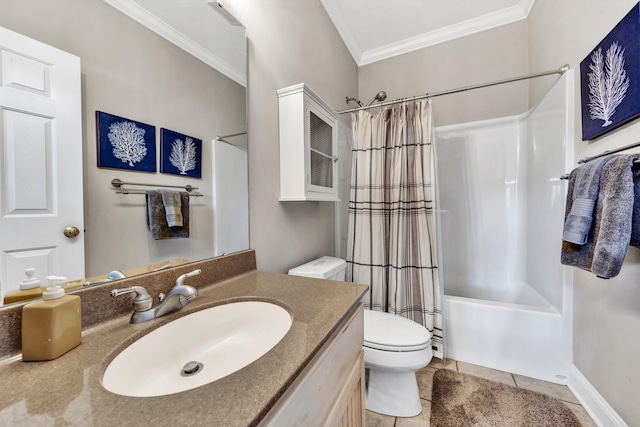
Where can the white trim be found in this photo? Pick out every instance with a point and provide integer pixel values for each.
(344, 29)
(472, 26)
(141, 15)
(596, 406)
(526, 6)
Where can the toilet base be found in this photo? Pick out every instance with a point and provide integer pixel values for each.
(393, 393)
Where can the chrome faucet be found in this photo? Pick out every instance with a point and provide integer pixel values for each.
(177, 298)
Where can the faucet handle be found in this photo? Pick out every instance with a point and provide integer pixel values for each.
(180, 279)
(142, 300)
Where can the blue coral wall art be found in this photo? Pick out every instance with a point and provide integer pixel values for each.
(125, 144)
(610, 79)
(180, 154)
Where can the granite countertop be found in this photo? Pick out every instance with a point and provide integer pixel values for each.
(69, 389)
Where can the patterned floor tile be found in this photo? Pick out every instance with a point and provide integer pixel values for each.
(558, 391)
(378, 420)
(421, 420)
(425, 382)
(581, 414)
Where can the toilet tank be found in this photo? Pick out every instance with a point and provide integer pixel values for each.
(322, 268)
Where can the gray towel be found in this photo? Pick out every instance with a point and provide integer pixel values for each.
(635, 222)
(584, 183)
(157, 218)
(172, 207)
(609, 237)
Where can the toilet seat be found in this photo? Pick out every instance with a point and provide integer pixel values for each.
(390, 332)
(383, 347)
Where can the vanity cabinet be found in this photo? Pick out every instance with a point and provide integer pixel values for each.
(308, 144)
(330, 390)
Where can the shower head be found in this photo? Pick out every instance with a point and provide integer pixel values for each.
(380, 96)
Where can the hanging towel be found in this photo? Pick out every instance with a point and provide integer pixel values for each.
(635, 221)
(172, 207)
(584, 183)
(157, 217)
(609, 237)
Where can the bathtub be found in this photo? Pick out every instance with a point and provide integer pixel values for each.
(508, 302)
(515, 331)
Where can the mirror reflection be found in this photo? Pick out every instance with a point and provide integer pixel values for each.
(193, 84)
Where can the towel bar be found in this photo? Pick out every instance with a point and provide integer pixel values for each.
(121, 190)
(586, 159)
(607, 152)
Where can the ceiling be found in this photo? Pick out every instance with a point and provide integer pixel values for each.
(374, 30)
(196, 27)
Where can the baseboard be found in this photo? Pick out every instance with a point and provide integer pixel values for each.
(596, 406)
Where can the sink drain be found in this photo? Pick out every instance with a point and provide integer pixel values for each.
(191, 368)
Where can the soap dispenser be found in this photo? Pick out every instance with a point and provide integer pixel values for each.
(29, 288)
(53, 326)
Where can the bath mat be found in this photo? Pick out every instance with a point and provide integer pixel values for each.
(461, 400)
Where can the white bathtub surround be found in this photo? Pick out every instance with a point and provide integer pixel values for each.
(510, 337)
(391, 243)
(508, 300)
(230, 198)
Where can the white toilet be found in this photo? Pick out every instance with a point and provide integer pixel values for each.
(394, 349)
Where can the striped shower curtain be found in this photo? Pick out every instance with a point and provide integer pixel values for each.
(391, 243)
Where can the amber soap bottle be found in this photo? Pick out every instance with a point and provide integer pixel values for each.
(53, 326)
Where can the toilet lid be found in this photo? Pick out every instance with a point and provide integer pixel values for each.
(386, 331)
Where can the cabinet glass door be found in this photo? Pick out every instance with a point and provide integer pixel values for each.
(321, 148)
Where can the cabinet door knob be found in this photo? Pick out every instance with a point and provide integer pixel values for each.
(71, 232)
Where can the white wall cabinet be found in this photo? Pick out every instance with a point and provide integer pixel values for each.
(308, 146)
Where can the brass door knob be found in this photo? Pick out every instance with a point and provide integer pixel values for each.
(71, 232)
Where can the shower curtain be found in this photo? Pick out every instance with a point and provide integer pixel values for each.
(391, 244)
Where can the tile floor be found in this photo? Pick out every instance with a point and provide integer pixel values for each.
(425, 379)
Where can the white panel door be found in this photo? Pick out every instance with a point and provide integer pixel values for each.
(40, 161)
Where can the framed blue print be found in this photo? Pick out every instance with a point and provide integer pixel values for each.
(610, 79)
(180, 154)
(125, 144)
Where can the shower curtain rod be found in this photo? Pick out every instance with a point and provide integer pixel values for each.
(560, 70)
(221, 139)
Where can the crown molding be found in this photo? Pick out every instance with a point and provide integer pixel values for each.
(466, 28)
(472, 26)
(139, 14)
(339, 21)
(526, 6)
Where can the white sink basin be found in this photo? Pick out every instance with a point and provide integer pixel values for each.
(223, 339)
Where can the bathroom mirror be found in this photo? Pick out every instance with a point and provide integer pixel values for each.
(183, 70)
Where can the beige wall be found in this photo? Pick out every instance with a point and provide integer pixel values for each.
(483, 57)
(130, 71)
(606, 321)
(290, 41)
